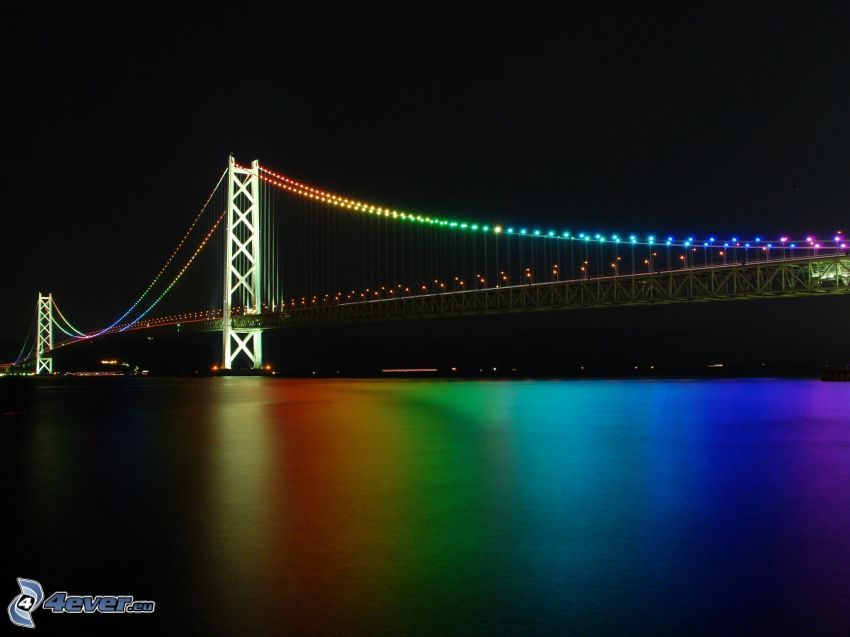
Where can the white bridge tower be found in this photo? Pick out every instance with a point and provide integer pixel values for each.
(44, 335)
(242, 263)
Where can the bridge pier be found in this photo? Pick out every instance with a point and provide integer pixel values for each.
(242, 271)
(237, 341)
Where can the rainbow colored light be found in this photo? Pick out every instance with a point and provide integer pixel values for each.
(310, 192)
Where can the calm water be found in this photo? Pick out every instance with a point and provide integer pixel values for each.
(247, 505)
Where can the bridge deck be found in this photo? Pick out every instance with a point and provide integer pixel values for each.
(756, 280)
(814, 276)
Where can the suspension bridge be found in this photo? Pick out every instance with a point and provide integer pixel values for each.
(266, 251)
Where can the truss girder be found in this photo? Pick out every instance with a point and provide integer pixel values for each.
(780, 279)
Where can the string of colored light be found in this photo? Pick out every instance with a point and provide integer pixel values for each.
(30, 352)
(26, 340)
(309, 192)
(67, 322)
(178, 275)
(164, 267)
(57, 324)
(123, 327)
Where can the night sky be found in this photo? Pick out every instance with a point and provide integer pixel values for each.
(608, 119)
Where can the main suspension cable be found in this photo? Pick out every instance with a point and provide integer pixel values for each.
(178, 275)
(164, 267)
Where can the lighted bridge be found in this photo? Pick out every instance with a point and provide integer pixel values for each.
(266, 251)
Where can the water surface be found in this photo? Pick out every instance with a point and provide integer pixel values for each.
(368, 507)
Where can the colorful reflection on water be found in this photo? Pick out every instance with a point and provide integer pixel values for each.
(445, 507)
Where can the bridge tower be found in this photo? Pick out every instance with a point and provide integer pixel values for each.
(44, 335)
(242, 263)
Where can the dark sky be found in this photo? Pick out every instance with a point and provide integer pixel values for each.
(608, 118)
